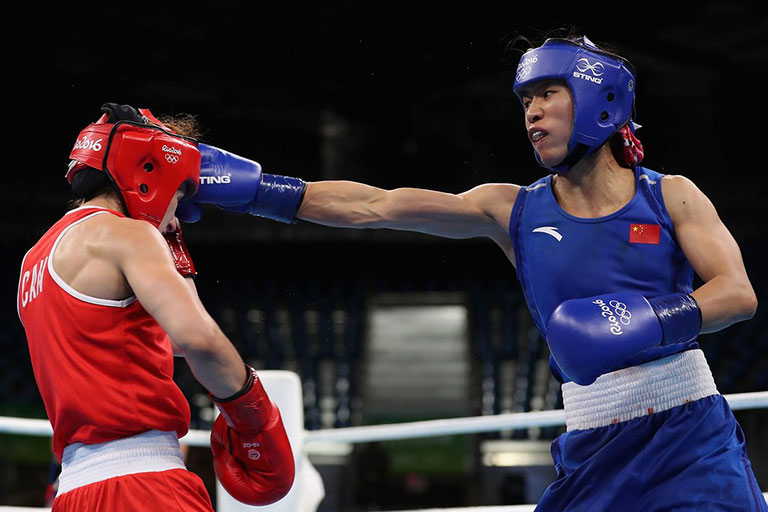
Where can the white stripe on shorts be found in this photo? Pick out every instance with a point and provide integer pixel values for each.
(84, 464)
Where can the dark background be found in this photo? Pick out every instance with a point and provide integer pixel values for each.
(392, 94)
(420, 89)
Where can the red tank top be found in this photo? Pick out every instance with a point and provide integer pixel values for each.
(104, 367)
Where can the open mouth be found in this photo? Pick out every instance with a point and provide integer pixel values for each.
(536, 135)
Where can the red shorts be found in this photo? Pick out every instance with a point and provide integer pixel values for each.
(174, 490)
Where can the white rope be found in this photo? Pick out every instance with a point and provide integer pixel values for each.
(430, 428)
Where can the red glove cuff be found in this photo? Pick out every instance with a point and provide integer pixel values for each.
(180, 253)
(250, 409)
(632, 148)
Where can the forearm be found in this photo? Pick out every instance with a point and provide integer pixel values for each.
(724, 301)
(356, 205)
(342, 204)
(215, 363)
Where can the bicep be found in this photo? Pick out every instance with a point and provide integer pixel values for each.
(701, 234)
(162, 292)
(726, 296)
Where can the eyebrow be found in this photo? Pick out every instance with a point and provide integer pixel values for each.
(528, 91)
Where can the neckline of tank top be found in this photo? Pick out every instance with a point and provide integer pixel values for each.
(592, 220)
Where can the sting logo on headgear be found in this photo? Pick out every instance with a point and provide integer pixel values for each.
(596, 70)
(145, 159)
(602, 86)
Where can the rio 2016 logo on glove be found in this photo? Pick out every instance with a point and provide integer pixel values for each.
(615, 312)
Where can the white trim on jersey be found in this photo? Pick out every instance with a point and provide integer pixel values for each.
(71, 291)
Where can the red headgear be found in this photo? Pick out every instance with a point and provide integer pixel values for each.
(145, 159)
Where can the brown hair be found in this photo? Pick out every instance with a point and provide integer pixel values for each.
(183, 124)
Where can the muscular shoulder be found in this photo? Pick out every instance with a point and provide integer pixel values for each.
(111, 237)
(91, 256)
(673, 185)
(495, 199)
(683, 199)
(503, 192)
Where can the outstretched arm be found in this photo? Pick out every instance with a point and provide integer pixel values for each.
(726, 297)
(237, 184)
(481, 212)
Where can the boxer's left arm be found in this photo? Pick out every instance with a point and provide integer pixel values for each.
(727, 296)
(254, 429)
(141, 253)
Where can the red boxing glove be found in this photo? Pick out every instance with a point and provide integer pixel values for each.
(252, 456)
(180, 253)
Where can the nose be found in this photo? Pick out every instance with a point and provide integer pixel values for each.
(534, 112)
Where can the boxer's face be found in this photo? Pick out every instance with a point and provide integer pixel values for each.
(549, 120)
(169, 222)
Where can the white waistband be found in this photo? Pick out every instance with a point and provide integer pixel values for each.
(638, 391)
(84, 464)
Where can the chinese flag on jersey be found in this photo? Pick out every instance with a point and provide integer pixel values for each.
(644, 233)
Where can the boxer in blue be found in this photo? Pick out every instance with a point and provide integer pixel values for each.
(605, 251)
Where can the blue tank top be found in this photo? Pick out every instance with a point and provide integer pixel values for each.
(560, 257)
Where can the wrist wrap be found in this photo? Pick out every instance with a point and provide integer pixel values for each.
(278, 198)
(679, 315)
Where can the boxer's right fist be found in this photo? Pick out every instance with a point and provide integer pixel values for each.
(226, 179)
(252, 456)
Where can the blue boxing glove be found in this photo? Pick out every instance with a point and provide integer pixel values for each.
(596, 335)
(189, 211)
(236, 184)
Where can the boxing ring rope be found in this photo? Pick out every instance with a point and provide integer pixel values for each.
(408, 430)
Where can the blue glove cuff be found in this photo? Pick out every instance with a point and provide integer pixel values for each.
(278, 198)
(679, 315)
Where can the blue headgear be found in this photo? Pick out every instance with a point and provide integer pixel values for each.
(602, 85)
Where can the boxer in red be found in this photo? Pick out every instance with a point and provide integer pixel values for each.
(106, 305)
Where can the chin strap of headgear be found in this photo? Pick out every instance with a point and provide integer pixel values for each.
(631, 145)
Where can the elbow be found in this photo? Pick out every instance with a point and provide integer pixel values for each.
(745, 304)
(201, 341)
(750, 305)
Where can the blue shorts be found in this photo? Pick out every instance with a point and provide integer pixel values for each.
(688, 458)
